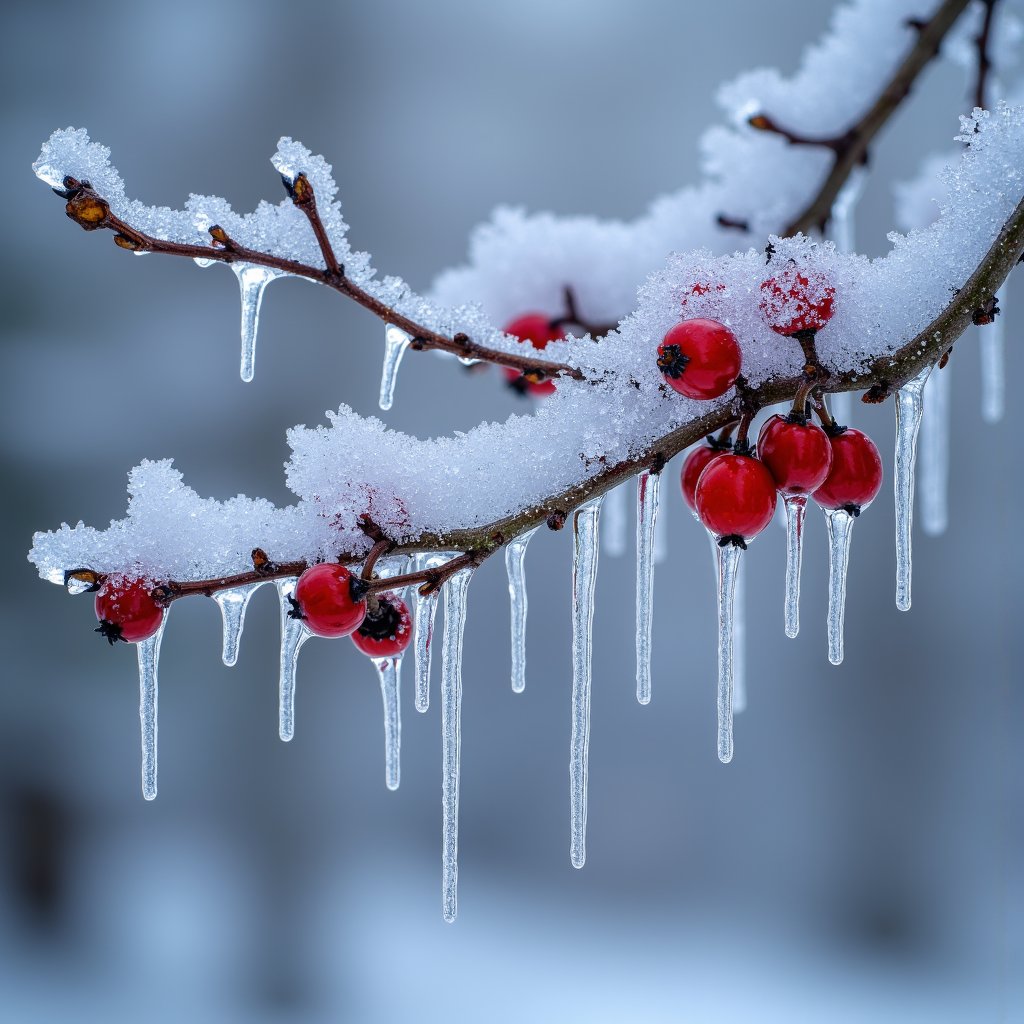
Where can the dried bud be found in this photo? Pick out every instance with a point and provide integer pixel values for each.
(127, 243)
(761, 123)
(301, 191)
(87, 210)
(556, 520)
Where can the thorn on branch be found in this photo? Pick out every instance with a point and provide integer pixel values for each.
(877, 393)
(556, 520)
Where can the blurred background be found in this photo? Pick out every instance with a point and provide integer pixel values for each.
(862, 855)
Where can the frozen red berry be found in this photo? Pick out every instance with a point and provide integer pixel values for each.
(694, 465)
(735, 497)
(855, 476)
(126, 610)
(795, 300)
(699, 290)
(386, 631)
(538, 330)
(700, 358)
(798, 454)
(330, 600)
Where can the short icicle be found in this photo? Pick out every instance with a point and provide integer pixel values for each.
(293, 635)
(455, 590)
(149, 658)
(728, 558)
(425, 608)
(647, 488)
(613, 522)
(389, 672)
(992, 344)
(796, 507)
(584, 579)
(515, 554)
(252, 282)
(840, 530)
(396, 341)
(233, 604)
(933, 493)
(909, 409)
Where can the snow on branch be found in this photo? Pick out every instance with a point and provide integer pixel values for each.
(893, 316)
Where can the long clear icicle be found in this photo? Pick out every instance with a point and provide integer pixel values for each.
(293, 635)
(389, 673)
(840, 530)
(739, 630)
(149, 658)
(396, 341)
(661, 533)
(252, 282)
(233, 604)
(728, 565)
(425, 609)
(515, 553)
(584, 580)
(909, 408)
(934, 453)
(992, 345)
(613, 521)
(647, 486)
(455, 590)
(796, 507)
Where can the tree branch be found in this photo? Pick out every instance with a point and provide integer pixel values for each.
(91, 211)
(981, 43)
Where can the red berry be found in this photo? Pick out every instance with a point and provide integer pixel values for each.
(798, 455)
(735, 496)
(387, 631)
(700, 358)
(795, 300)
(856, 474)
(693, 466)
(537, 329)
(330, 600)
(126, 610)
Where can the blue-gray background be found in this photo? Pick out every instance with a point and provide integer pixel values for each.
(861, 856)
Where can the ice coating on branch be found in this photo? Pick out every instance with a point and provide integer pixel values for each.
(411, 486)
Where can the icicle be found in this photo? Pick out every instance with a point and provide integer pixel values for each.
(739, 630)
(389, 673)
(451, 736)
(252, 281)
(991, 343)
(842, 407)
(423, 630)
(844, 209)
(796, 506)
(647, 487)
(909, 407)
(584, 579)
(934, 447)
(232, 604)
(613, 522)
(396, 341)
(661, 534)
(515, 552)
(149, 657)
(840, 529)
(293, 635)
(728, 558)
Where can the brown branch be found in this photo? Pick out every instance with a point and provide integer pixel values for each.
(850, 148)
(885, 375)
(981, 43)
(91, 211)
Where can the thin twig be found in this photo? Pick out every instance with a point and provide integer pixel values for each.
(984, 65)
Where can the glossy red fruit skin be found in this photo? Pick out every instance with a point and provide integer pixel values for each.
(387, 634)
(735, 496)
(795, 300)
(798, 455)
(323, 600)
(535, 328)
(700, 358)
(693, 466)
(855, 477)
(126, 611)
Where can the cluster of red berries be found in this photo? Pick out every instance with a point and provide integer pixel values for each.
(329, 599)
(733, 491)
(701, 358)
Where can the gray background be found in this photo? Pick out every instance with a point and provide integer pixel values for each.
(861, 856)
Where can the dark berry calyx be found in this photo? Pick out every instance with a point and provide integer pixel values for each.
(671, 361)
(110, 631)
(734, 539)
(719, 444)
(383, 623)
(295, 612)
(358, 588)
